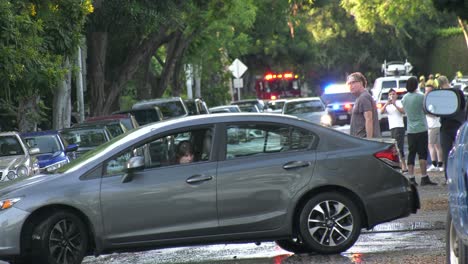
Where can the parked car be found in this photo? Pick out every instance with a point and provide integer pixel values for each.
(86, 137)
(16, 160)
(339, 101)
(309, 108)
(196, 106)
(127, 121)
(225, 109)
(294, 182)
(446, 102)
(250, 105)
(144, 114)
(54, 151)
(170, 107)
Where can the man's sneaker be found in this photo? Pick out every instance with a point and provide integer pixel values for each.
(441, 168)
(432, 168)
(426, 181)
(413, 181)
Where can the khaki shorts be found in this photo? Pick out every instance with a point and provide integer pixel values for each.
(434, 135)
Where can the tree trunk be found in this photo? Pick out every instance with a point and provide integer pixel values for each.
(79, 88)
(175, 52)
(97, 65)
(464, 27)
(62, 101)
(28, 113)
(135, 59)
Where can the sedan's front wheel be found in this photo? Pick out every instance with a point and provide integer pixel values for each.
(61, 238)
(330, 223)
(456, 251)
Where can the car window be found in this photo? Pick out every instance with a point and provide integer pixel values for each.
(9, 145)
(338, 98)
(85, 137)
(117, 164)
(304, 107)
(248, 140)
(46, 143)
(389, 84)
(115, 129)
(171, 109)
(169, 150)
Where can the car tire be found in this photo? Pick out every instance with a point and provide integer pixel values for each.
(330, 223)
(293, 245)
(456, 251)
(62, 235)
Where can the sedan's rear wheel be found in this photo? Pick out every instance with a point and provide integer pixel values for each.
(61, 238)
(330, 223)
(456, 251)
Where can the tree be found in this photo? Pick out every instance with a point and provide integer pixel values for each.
(31, 53)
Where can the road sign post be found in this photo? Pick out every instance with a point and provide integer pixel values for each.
(238, 69)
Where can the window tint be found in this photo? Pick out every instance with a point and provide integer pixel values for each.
(176, 148)
(248, 140)
(46, 143)
(301, 107)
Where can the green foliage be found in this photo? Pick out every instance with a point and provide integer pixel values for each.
(445, 56)
(459, 7)
(448, 32)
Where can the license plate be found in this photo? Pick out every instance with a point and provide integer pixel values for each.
(342, 117)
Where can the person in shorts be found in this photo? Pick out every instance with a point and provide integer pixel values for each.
(435, 150)
(417, 131)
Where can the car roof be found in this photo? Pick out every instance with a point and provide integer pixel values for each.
(9, 133)
(315, 98)
(158, 100)
(40, 133)
(107, 117)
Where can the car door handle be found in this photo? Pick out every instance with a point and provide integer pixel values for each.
(296, 164)
(199, 178)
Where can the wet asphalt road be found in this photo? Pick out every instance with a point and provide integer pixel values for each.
(425, 246)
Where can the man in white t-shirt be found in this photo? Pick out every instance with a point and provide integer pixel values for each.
(395, 112)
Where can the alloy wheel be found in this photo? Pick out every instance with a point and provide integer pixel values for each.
(65, 242)
(330, 223)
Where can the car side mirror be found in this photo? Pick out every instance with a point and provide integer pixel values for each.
(443, 102)
(71, 148)
(133, 164)
(33, 151)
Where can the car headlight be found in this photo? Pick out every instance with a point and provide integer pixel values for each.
(8, 203)
(55, 166)
(22, 171)
(326, 120)
(11, 175)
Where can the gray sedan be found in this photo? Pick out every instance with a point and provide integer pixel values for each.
(309, 188)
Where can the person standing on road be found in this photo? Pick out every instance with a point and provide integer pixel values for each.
(435, 150)
(449, 125)
(417, 130)
(364, 119)
(396, 124)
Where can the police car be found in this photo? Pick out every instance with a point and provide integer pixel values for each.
(339, 101)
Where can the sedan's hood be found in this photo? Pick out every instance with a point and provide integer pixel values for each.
(50, 158)
(24, 183)
(11, 161)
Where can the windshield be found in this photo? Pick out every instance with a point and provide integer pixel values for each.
(304, 107)
(10, 146)
(85, 137)
(45, 143)
(276, 105)
(384, 96)
(338, 98)
(171, 109)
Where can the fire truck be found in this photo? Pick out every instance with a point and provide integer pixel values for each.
(274, 86)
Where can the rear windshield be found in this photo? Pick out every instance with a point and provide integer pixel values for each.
(304, 107)
(171, 109)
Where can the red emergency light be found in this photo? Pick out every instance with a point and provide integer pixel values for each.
(286, 75)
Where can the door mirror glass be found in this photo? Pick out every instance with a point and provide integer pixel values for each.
(135, 163)
(442, 102)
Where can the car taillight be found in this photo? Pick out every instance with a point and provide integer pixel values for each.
(389, 156)
(347, 106)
